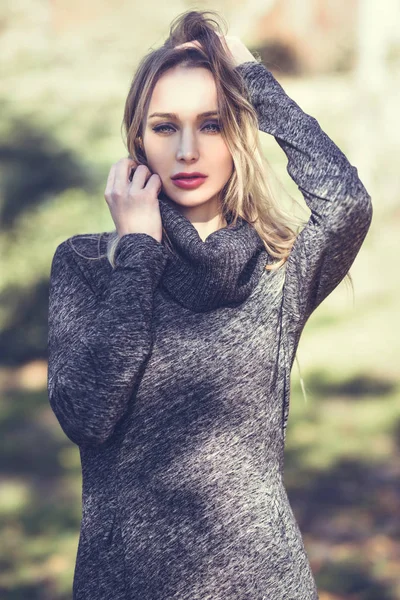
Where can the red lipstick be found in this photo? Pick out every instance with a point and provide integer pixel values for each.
(189, 181)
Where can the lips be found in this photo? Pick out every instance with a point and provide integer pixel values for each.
(188, 175)
(189, 183)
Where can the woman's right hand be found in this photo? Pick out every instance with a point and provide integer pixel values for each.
(133, 200)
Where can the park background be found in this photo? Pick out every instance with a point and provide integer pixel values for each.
(66, 70)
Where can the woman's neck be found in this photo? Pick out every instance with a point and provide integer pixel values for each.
(205, 218)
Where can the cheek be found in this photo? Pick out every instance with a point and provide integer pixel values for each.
(158, 161)
(221, 157)
(226, 163)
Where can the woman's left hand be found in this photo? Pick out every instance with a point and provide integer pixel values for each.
(233, 45)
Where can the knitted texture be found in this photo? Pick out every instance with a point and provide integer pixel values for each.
(172, 375)
(221, 271)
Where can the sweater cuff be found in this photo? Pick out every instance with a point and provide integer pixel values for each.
(259, 80)
(140, 248)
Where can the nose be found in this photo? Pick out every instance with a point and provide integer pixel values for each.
(187, 147)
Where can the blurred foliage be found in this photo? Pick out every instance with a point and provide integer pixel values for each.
(61, 101)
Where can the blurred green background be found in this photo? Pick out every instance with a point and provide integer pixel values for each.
(66, 70)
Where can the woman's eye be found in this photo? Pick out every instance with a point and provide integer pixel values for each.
(213, 125)
(159, 128)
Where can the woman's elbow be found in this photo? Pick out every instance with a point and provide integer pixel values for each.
(78, 425)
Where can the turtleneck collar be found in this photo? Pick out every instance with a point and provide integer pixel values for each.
(220, 271)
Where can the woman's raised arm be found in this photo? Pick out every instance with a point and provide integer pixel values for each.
(97, 347)
(341, 208)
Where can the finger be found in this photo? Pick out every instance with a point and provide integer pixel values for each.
(154, 184)
(123, 170)
(188, 44)
(110, 181)
(132, 168)
(224, 42)
(140, 178)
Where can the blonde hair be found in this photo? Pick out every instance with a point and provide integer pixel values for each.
(249, 191)
(253, 191)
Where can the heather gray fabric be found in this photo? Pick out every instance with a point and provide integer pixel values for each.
(172, 374)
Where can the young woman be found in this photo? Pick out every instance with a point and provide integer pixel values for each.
(172, 338)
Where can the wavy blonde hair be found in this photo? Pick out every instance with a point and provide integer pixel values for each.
(253, 191)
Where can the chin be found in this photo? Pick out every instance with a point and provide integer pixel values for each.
(191, 199)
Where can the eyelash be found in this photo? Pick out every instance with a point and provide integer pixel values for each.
(159, 127)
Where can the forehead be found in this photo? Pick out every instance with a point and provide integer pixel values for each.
(185, 91)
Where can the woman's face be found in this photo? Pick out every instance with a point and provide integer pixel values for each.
(187, 142)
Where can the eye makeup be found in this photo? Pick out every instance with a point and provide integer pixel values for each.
(159, 128)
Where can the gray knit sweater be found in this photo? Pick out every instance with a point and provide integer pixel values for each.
(171, 373)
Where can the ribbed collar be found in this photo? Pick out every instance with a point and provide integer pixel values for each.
(220, 271)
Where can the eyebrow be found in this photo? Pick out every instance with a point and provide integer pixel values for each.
(208, 113)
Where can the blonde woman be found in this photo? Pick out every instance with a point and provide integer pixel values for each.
(172, 338)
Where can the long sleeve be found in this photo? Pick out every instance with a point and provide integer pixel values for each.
(341, 208)
(97, 346)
